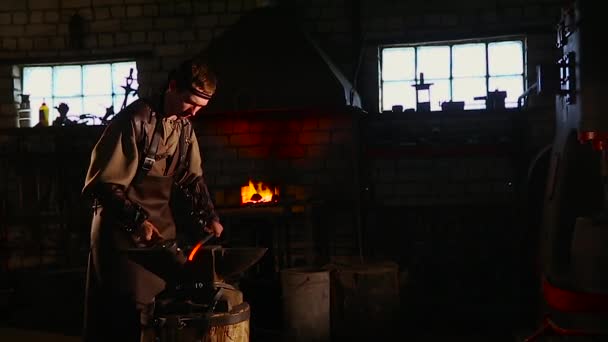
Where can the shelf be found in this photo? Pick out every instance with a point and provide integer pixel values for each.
(253, 211)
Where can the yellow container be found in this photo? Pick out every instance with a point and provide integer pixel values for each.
(43, 114)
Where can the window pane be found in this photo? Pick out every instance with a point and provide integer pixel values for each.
(513, 85)
(469, 60)
(38, 82)
(398, 64)
(53, 113)
(67, 80)
(398, 93)
(120, 72)
(97, 79)
(465, 89)
(440, 92)
(96, 105)
(434, 61)
(506, 58)
(119, 99)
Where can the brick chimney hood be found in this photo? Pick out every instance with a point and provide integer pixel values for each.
(266, 62)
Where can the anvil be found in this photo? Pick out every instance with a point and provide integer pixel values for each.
(205, 263)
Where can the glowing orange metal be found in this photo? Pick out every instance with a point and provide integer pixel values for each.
(194, 250)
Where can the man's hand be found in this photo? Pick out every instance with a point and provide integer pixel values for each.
(147, 234)
(215, 228)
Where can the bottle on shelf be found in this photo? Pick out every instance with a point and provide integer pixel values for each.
(43, 114)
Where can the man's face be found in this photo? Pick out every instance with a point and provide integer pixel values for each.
(190, 104)
(183, 103)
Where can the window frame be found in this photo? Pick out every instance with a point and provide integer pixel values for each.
(95, 118)
(451, 43)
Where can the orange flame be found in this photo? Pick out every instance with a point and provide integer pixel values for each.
(258, 193)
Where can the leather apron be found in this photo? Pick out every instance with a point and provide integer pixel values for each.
(107, 239)
(117, 287)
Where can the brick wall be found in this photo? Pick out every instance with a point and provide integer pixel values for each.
(311, 156)
(432, 185)
(349, 32)
(445, 196)
(304, 152)
(449, 158)
(45, 220)
(160, 33)
(157, 34)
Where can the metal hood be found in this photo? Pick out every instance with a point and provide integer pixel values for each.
(265, 61)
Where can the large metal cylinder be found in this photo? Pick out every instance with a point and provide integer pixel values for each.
(306, 306)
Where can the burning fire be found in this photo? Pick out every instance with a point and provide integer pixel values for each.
(258, 193)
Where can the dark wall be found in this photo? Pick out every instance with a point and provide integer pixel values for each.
(159, 34)
(440, 193)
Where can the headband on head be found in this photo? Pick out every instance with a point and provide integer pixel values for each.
(200, 74)
(194, 76)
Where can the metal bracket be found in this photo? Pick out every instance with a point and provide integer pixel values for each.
(566, 27)
(567, 70)
(147, 164)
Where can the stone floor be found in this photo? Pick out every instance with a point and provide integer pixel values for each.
(49, 308)
(31, 334)
(20, 335)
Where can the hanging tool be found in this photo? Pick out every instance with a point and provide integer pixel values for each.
(128, 89)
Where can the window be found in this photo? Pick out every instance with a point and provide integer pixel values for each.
(88, 89)
(458, 71)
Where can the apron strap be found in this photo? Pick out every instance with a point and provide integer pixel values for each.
(150, 153)
(184, 139)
